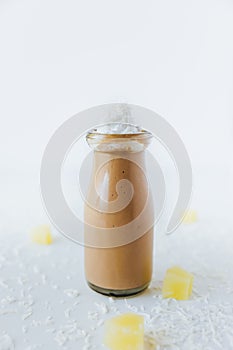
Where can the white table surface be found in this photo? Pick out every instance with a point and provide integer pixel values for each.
(46, 304)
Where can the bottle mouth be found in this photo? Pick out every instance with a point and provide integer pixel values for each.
(119, 130)
(118, 136)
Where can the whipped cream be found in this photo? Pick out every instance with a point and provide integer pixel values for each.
(118, 128)
(118, 122)
(117, 144)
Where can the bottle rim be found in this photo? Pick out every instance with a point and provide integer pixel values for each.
(98, 134)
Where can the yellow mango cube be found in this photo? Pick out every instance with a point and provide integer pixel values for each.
(125, 332)
(177, 284)
(41, 234)
(190, 217)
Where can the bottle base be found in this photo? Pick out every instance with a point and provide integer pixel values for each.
(116, 292)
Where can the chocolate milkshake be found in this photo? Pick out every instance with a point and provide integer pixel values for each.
(119, 202)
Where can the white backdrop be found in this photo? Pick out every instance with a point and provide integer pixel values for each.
(60, 57)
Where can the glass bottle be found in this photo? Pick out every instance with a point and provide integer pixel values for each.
(118, 215)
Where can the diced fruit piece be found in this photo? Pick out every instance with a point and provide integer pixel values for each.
(41, 234)
(125, 332)
(190, 217)
(177, 284)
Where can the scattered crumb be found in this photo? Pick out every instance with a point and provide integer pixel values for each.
(24, 329)
(92, 315)
(27, 315)
(73, 293)
(67, 313)
(103, 308)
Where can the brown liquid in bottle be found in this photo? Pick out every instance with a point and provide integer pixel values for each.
(125, 269)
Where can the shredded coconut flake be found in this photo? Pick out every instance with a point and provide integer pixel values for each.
(102, 307)
(73, 293)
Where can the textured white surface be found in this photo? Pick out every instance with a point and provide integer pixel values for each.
(46, 304)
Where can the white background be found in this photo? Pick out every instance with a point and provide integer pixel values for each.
(175, 57)
(60, 57)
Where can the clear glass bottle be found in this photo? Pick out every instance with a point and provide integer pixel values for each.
(119, 202)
